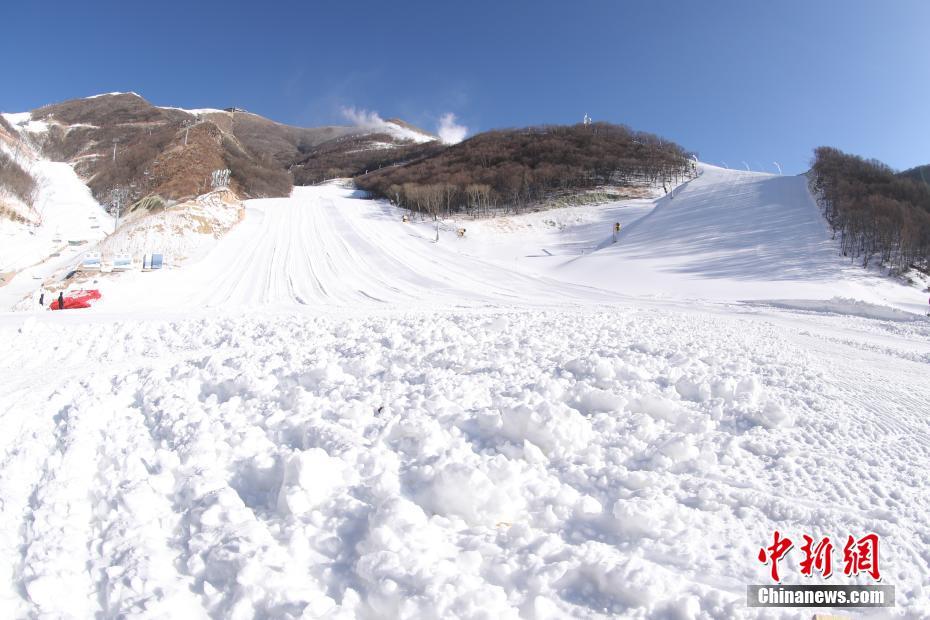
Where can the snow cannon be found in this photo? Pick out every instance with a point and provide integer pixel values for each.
(77, 299)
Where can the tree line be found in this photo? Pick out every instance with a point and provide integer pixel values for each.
(920, 173)
(15, 180)
(877, 214)
(514, 169)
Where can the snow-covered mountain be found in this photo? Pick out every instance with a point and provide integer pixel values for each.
(120, 139)
(339, 408)
(166, 155)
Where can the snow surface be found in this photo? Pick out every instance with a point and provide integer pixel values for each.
(324, 247)
(116, 92)
(22, 121)
(332, 415)
(727, 235)
(195, 111)
(475, 463)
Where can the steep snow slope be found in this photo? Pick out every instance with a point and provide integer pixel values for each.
(68, 213)
(726, 233)
(65, 210)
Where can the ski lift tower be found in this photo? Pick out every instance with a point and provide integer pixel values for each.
(186, 126)
(219, 179)
(118, 196)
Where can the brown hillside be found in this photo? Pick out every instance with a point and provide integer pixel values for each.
(152, 158)
(151, 155)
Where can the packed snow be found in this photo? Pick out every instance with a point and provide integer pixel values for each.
(331, 414)
(727, 235)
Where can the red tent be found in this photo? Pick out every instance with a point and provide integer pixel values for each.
(77, 299)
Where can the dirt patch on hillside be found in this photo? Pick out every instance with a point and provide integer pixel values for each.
(182, 171)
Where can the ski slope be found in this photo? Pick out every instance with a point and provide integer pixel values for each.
(732, 235)
(727, 236)
(68, 213)
(325, 248)
(331, 415)
(64, 206)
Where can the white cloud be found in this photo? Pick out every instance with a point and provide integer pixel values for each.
(449, 131)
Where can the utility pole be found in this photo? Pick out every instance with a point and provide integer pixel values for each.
(115, 142)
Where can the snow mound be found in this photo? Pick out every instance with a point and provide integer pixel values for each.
(845, 306)
(182, 231)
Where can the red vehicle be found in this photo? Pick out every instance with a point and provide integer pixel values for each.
(77, 299)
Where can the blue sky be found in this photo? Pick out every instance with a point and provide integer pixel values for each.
(736, 81)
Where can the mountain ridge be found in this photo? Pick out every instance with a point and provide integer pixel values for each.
(121, 140)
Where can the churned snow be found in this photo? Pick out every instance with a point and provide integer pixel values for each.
(497, 463)
(332, 415)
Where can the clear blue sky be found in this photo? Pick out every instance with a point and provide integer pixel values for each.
(735, 80)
